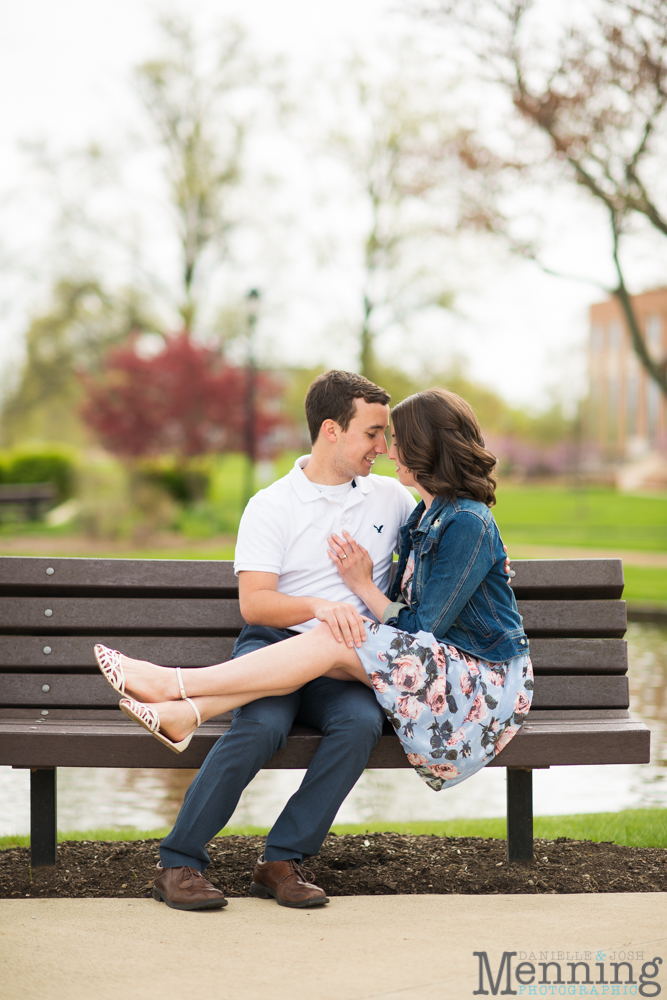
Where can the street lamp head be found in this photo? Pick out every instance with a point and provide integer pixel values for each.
(252, 300)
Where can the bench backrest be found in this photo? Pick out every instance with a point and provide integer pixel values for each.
(181, 612)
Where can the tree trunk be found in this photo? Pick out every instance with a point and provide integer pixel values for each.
(366, 357)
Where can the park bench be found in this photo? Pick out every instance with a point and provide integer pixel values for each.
(56, 709)
(31, 499)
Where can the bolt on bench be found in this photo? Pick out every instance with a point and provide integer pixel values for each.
(56, 709)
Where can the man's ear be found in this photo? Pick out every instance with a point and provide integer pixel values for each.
(330, 431)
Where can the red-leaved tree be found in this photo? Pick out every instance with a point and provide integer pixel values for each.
(184, 401)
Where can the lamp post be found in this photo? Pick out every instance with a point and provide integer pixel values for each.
(252, 301)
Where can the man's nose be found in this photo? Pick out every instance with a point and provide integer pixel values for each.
(381, 446)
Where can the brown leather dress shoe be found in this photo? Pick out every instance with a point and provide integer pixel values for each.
(287, 882)
(186, 889)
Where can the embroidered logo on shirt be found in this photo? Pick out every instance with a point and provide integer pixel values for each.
(379, 530)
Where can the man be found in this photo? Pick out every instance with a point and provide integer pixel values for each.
(287, 583)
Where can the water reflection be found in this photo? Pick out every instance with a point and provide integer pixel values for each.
(648, 700)
(91, 798)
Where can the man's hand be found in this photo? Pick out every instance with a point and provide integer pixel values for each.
(344, 620)
(508, 569)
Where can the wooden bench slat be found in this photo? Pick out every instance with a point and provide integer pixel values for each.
(26, 652)
(122, 744)
(18, 492)
(114, 714)
(563, 743)
(571, 579)
(581, 692)
(92, 690)
(573, 656)
(536, 579)
(94, 615)
(572, 714)
(91, 615)
(65, 691)
(26, 573)
(59, 714)
(572, 619)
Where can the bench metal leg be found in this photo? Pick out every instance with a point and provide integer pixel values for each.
(43, 822)
(519, 814)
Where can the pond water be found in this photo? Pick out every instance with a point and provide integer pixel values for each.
(90, 798)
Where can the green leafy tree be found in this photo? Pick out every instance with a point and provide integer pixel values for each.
(198, 105)
(73, 334)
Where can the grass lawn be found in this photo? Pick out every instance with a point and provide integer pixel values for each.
(527, 515)
(630, 827)
(645, 584)
(590, 518)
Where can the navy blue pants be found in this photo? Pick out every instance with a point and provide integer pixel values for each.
(350, 720)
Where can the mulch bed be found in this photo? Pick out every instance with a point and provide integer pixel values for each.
(375, 864)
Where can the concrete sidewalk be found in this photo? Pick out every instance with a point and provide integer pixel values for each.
(380, 947)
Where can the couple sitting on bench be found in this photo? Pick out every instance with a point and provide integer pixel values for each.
(444, 656)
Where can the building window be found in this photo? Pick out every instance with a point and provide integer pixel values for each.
(612, 411)
(614, 335)
(652, 409)
(632, 403)
(654, 336)
(597, 338)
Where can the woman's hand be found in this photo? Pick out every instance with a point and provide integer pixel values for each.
(343, 619)
(352, 561)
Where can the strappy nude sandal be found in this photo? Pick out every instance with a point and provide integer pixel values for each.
(109, 662)
(148, 717)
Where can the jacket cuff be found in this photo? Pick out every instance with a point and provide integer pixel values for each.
(392, 610)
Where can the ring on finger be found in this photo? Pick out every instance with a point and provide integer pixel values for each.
(343, 556)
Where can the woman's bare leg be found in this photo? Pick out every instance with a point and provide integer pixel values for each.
(177, 720)
(276, 669)
(271, 671)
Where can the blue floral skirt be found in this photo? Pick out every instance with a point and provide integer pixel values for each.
(452, 713)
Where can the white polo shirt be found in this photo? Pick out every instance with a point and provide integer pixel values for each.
(284, 530)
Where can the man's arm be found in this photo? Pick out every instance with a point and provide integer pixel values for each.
(262, 604)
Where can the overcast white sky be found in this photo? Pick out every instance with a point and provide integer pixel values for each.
(64, 78)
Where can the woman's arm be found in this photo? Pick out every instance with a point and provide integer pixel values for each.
(356, 568)
(463, 559)
(262, 604)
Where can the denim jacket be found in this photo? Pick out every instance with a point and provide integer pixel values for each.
(459, 587)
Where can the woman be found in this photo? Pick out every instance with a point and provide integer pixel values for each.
(449, 662)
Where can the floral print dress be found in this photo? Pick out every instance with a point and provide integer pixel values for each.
(452, 712)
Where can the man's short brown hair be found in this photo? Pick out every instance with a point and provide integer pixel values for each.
(331, 397)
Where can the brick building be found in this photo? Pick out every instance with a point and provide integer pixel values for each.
(627, 413)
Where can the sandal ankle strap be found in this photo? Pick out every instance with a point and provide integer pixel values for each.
(179, 678)
(195, 709)
(184, 696)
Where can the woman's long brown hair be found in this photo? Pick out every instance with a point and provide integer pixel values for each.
(439, 440)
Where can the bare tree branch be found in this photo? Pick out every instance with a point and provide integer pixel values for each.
(599, 97)
(202, 134)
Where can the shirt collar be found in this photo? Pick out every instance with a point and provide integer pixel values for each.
(306, 491)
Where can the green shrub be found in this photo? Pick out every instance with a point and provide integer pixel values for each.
(186, 483)
(41, 464)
